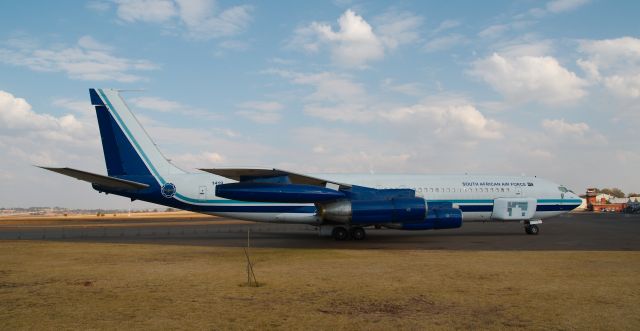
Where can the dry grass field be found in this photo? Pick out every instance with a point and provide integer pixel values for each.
(75, 285)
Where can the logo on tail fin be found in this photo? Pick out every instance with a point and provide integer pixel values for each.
(168, 190)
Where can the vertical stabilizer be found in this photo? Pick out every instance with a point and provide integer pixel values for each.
(128, 149)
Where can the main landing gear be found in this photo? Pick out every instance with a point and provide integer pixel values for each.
(340, 233)
(531, 227)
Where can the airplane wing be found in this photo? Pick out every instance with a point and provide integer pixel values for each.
(276, 185)
(251, 174)
(106, 181)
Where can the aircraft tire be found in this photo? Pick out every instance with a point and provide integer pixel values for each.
(358, 233)
(340, 234)
(532, 229)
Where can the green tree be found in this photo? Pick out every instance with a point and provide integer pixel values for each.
(616, 192)
(632, 194)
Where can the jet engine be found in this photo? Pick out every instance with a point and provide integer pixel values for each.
(400, 210)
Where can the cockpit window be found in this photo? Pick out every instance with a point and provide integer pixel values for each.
(564, 189)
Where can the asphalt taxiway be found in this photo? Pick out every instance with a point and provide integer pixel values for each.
(574, 231)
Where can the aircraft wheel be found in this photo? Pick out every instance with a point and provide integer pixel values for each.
(358, 233)
(532, 229)
(339, 233)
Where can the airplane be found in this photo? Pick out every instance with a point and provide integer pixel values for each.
(339, 205)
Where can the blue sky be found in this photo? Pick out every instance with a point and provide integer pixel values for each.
(547, 88)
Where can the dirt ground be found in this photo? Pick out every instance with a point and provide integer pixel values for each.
(80, 285)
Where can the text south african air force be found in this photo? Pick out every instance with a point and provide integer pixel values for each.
(503, 184)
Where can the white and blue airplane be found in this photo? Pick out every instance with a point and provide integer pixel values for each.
(339, 205)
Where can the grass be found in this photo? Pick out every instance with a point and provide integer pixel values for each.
(58, 285)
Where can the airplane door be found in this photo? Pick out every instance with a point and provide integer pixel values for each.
(507, 209)
(202, 193)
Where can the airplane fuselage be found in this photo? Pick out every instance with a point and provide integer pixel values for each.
(474, 195)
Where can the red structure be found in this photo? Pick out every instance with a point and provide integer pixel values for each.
(603, 204)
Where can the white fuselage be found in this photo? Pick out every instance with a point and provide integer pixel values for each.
(475, 195)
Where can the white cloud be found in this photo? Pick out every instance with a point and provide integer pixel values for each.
(199, 160)
(196, 148)
(331, 87)
(166, 106)
(31, 135)
(78, 106)
(88, 60)
(493, 31)
(335, 97)
(99, 6)
(530, 79)
(262, 105)
(448, 117)
(398, 28)
(204, 21)
(235, 45)
(446, 25)
(363, 154)
(559, 6)
(412, 89)
(87, 42)
(614, 63)
(338, 98)
(526, 46)
(201, 19)
(575, 133)
(560, 126)
(16, 114)
(266, 112)
(608, 52)
(625, 86)
(445, 42)
(356, 43)
(154, 11)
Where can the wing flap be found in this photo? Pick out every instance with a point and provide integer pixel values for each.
(106, 181)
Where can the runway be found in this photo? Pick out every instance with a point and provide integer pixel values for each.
(574, 231)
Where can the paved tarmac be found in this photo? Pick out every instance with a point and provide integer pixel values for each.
(575, 231)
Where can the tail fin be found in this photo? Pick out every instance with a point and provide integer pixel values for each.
(128, 149)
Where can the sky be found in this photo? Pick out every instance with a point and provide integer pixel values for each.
(545, 88)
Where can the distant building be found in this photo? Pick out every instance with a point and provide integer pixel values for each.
(605, 202)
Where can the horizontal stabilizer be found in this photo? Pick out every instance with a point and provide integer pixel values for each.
(249, 174)
(106, 181)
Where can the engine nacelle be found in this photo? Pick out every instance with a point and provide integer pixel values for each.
(397, 210)
(437, 218)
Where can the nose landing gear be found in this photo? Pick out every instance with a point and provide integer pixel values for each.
(531, 227)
